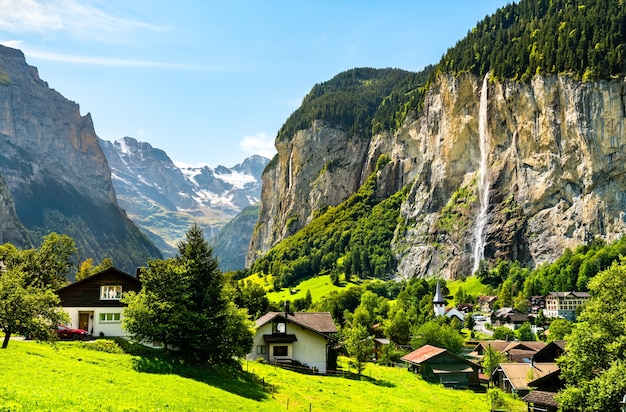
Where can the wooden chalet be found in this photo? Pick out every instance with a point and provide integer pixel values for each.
(93, 303)
(441, 366)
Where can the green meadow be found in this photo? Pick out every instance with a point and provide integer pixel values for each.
(71, 376)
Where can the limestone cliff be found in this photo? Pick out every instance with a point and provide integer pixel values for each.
(56, 171)
(555, 169)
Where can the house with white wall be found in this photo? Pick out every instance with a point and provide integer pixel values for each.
(93, 303)
(303, 337)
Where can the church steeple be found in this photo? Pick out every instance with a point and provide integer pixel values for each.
(439, 302)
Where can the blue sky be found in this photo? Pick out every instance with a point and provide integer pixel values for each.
(212, 82)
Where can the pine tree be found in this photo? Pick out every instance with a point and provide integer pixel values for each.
(183, 304)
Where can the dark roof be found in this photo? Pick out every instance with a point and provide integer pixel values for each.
(551, 351)
(106, 272)
(438, 295)
(319, 322)
(541, 398)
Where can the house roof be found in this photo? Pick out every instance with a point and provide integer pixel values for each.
(319, 322)
(566, 294)
(541, 398)
(105, 272)
(428, 352)
(487, 299)
(518, 373)
(423, 354)
(556, 347)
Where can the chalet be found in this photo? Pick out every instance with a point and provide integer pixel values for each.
(93, 303)
(485, 303)
(516, 351)
(510, 317)
(564, 304)
(515, 377)
(441, 366)
(303, 337)
(542, 397)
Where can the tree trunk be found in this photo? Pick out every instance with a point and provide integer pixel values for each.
(5, 343)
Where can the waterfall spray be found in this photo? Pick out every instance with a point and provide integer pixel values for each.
(483, 183)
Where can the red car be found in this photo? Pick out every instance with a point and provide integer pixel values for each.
(63, 332)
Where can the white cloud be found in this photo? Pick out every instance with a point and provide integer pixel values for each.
(259, 144)
(70, 16)
(102, 61)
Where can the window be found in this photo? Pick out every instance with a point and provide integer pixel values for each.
(109, 317)
(281, 351)
(261, 349)
(110, 292)
(279, 327)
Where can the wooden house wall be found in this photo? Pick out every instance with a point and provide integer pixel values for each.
(86, 293)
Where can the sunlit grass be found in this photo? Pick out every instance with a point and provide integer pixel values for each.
(67, 376)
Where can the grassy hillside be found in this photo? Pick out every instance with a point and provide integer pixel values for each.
(68, 376)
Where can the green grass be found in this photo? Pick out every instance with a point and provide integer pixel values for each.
(471, 285)
(319, 287)
(67, 376)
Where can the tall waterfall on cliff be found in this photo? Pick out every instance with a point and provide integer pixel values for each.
(483, 183)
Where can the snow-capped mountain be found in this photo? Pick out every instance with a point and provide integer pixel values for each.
(164, 199)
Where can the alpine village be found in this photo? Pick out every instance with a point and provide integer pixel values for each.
(442, 240)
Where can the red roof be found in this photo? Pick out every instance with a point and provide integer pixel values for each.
(423, 354)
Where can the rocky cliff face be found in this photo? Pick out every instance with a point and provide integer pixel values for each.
(56, 170)
(555, 172)
(11, 229)
(165, 200)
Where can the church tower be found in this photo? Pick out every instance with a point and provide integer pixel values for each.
(439, 302)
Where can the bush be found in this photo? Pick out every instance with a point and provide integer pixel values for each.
(103, 345)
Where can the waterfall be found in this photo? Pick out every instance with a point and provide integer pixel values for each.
(483, 183)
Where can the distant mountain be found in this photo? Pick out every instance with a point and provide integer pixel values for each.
(165, 199)
(231, 243)
(57, 177)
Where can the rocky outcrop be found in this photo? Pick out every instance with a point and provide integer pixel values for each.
(555, 169)
(56, 170)
(316, 168)
(11, 229)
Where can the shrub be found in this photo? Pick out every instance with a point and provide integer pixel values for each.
(103, 345)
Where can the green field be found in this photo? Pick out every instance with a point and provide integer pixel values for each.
(471, 285)
(319, 286)
(67, 376)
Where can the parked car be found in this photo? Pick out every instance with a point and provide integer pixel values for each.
(63, 332)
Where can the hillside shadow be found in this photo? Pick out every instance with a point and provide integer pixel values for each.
(230, 378)
(363, 378)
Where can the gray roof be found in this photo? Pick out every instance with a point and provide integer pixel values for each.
(438, 295)
(320, 322)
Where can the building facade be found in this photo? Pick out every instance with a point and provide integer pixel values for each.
(564, 304)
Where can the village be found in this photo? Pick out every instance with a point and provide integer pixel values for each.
(306, 341)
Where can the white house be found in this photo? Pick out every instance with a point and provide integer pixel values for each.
(305, 337)
(93, 303)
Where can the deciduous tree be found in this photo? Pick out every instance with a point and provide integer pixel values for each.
(594, 365)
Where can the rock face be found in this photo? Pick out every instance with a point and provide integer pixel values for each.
(56, 170)
(555, 165)
(11, 229)
(165, 200)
